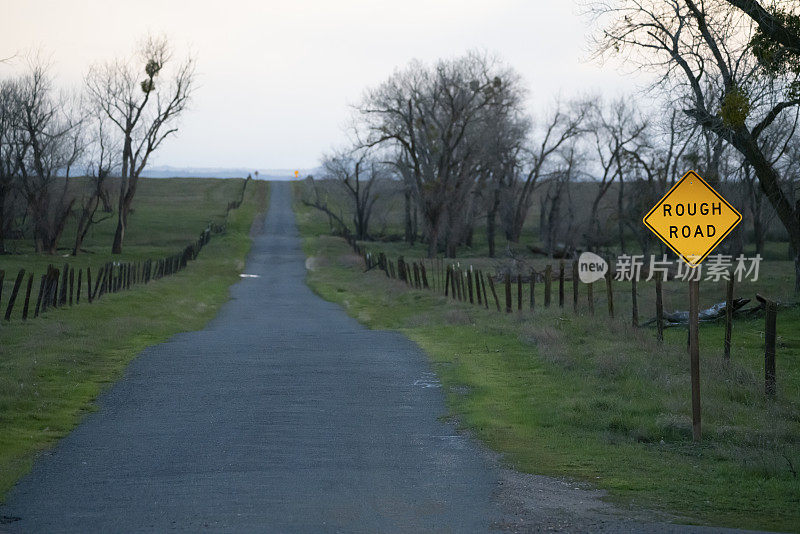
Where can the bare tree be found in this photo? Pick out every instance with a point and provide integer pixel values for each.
(706, 58)
(615, 128)
(433, 119)
(504, 150)
(9, 164)
(49, 142)
(143, 97)
(563, 124)
(102, 162)
(566, 170)
(355, 171)
(317, 195)
(656, 161)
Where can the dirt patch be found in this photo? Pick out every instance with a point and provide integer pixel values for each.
(536, 503)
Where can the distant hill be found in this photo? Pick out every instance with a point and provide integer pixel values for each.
(167, 171)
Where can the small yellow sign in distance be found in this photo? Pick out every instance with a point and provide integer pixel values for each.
(296, 174)
(692, 218)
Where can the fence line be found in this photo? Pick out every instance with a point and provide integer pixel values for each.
(57, 287)
(457, 284)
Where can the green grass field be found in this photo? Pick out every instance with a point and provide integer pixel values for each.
(593, 398)
(53, 367)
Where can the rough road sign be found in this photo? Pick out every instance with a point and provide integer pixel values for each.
(692, 218)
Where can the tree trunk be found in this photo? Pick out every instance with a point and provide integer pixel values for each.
(122, 219)
(59, 223)
(84, 223)
(797, 272)
(119, 235)
(758, 234)
(769, 181)
(409, 230)
(2, 220)
(122, 215)
(414, 226)
(359, 222)
(620, 216)
(594, 223)
(450, 248)
(433, 241)
(736, 244)
(491, 222)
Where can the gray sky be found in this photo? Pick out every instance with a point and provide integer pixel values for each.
(276, 77)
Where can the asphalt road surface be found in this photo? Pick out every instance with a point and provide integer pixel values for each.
(285, 415)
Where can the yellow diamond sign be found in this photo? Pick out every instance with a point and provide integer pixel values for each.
(692, 218)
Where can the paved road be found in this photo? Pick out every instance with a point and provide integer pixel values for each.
(283, 415)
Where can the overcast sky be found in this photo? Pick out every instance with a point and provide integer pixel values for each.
(276, 78)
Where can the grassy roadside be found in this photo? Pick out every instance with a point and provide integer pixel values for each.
(595, 399)
(52, 368)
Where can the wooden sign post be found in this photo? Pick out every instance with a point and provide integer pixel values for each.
(692, 219)
(694, 354)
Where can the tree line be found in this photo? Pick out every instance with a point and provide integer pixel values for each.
(107, 129)
(457, 137)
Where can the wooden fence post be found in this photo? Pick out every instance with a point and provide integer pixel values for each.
(54, 287)
(728, 318)
(78, 293)
(548, 283)
(442, 274)
(477, 286)
(17, 283)
(27, 297)
(100, 283)
(89, 285)
(62, 300)
(634, 303)
(770, 322)
(575, 280)
(39, 298)
(452, 281)
(469, 285)
(610, 295)
(533, 287)
(483, 288)
(71, 285)
(51, 288)
(519, 291)
(561, 284)
(508, 292)
(590, 297)
(494, 293)
(94, 293)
